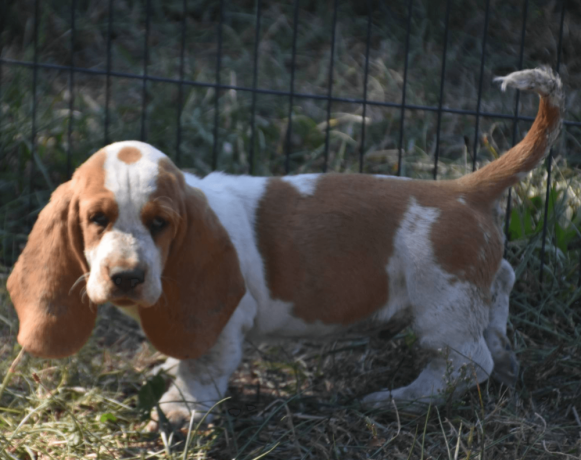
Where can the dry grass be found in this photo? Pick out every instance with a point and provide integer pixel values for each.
(299, 400)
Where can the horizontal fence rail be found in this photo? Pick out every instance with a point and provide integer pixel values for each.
(292, 95)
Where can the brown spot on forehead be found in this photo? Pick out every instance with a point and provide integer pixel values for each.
(327, 253)
(129, 155)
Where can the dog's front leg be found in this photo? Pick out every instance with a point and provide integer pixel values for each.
(199, 383)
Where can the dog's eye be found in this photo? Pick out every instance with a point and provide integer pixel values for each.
(157, 225)
(100, 219)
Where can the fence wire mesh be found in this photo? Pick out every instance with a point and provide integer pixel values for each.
(287, 87)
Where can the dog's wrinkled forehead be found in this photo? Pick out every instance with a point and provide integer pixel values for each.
(131, 171)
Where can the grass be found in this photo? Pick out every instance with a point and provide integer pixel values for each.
(299, 400)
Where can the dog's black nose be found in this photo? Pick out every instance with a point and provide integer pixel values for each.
(127, 279)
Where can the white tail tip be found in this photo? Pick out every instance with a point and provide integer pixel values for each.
(541, 80)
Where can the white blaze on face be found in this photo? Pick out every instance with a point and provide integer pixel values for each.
(131, 170)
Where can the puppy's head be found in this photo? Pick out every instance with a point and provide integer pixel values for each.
(126, 229)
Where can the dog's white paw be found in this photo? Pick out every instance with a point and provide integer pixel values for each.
(178, 416)
(396, 400)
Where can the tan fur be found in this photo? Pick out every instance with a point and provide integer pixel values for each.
(299, 237)
(129, 155)
(486, 184)
(202, 282)
(45, 286)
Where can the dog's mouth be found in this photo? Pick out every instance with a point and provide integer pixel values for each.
(124, 302)
(143, 295)
(129, 301)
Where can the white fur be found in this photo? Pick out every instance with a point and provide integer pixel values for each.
(304, 183)
(385, 176)
(542, 81)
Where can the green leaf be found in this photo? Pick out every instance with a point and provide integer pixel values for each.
(537, 202)
(528, 222)
(560, 237)
(150, 393)
(410, 339)
(516, 227)
(107, 417)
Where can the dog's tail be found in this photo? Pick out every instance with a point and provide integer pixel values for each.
(487, 184)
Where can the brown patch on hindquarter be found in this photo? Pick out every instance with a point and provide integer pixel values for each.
(327, 252)
(129, 155)
(467, 242)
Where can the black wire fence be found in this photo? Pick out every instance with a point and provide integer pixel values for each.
(286, 61)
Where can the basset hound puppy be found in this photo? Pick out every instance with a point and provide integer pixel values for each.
(205, 263)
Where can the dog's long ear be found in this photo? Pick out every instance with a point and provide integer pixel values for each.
(202, 284)
(45, 284)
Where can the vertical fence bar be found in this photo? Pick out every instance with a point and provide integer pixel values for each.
(181, 84)
(2, 25)
(365, 79)
(479, 100)
(145, 64)
(289, 128)
(108, 77)
(217, 92)
(330, 87)
(34, 109)
(404, 87)
(550, 158)
(71, 89)
(516, 115)
(442, 80)
(254, 77)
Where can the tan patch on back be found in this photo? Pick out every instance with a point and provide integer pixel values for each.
(327, 253)
(129, 155)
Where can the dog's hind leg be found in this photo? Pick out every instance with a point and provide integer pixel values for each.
(505, 363)
(462, 358)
